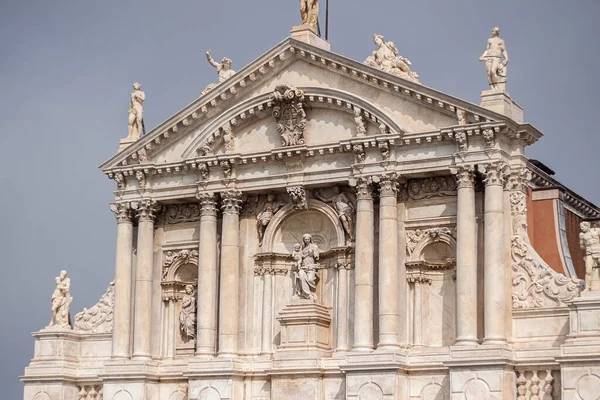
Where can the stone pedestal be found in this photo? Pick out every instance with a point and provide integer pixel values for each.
(305, 331)
(501, 103)
(580, 355)
(125, 143)
(307, 35)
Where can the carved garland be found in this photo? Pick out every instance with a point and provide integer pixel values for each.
(415, 237)
(181, 257)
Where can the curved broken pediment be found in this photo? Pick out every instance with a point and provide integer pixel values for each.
(331, 115)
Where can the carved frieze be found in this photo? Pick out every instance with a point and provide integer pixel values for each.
(427, 188)
(181, 213)
(535, 284)
(289, 114)
(99, 318)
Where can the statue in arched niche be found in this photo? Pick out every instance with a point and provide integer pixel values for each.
(187, 316)
(306, 257)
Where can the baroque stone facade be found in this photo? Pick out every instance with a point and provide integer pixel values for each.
(311, 228)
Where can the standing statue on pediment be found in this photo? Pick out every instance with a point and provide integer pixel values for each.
(136, 112)
(309, 11)
(187, 316)
(589, 240)
(223, 69)
(494, 65)
(266, 215)
(61, 302)
(386, 58)
(306, 258)
(344, 208)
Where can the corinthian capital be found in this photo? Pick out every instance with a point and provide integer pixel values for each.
(146, 210)
(517, 178)
(122, 212)
(465, 176)
(231, 202)
(364, 190)
(493, 173)
(208, 203)
(388, 185)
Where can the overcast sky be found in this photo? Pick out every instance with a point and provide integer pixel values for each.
(66, 70)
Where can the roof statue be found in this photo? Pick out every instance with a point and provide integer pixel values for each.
(309, 11)
(223, 69)
(386, 58)
(494, 65)
(136, 112)
(589, 240)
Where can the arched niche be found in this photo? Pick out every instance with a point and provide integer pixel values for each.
(181, 266)
(288, 225)
(438, 248)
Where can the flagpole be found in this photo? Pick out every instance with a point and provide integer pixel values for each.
(326, 19)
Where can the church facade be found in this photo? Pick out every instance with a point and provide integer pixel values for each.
(313, 227)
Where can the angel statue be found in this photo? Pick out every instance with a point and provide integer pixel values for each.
(344, 208)
(309, 11)
(386, 58)
(223, 69)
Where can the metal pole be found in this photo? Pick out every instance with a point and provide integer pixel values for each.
(326, 19)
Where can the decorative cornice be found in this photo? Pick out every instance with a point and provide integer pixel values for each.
(122, 212)
(231, 202)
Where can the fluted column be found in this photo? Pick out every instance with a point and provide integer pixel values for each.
(466, 258)
(122, 306)
(388, 262)
(171, 327)
(142, 322)
(363, 283)
(494, 266)
(230, 271)
(206, 324)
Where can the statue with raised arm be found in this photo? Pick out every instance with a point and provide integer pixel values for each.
(494, 65)
(187, 316)
(61, 302)
(306, 260)
(136, 112)
(385, 57)
(309, 11)
(344, 209)
(223, 70)
(589, 240)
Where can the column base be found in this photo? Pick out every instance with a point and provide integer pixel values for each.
(466, 342)
(388, 346)
(499, 341)
(362, 347)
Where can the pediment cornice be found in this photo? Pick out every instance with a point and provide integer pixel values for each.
(275, 60)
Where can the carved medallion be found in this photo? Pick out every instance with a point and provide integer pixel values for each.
(289, 114)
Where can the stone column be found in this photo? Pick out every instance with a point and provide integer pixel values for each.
(267, 311)
(229, 277)
(418, 311)
(466, 258)
(363, 285)
(142, 322)
(388, 262)
(122, 307)
(494, 267)
(206, 324)
(342, 268)
(171, 327)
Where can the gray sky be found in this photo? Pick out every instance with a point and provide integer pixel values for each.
(66, 70)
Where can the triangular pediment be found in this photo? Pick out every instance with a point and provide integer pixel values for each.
(334, 87)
